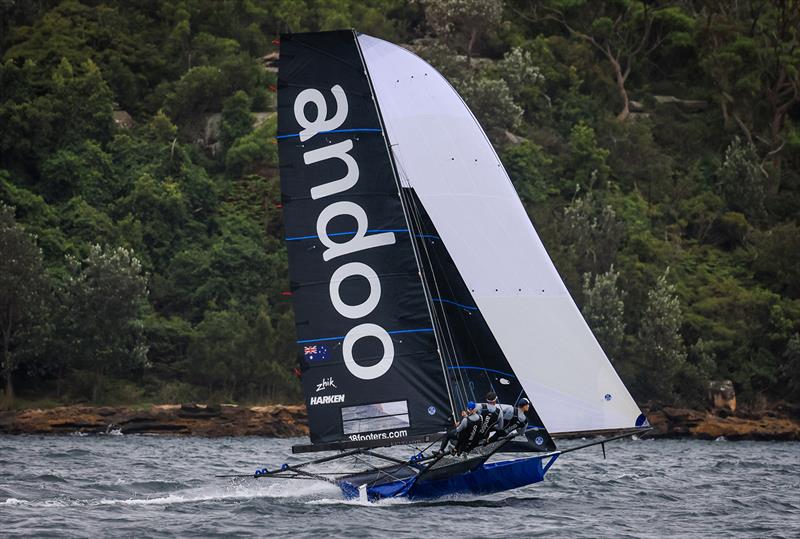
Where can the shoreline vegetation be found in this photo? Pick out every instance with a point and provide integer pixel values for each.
(781, 423)
(654, 145)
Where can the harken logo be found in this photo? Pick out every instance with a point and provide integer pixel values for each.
(326, 399)
(326, 383)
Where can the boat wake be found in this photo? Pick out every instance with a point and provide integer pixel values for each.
(295, 490)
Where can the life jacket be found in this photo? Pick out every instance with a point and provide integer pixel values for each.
(519, 419)
(488, 419)
(485, 421)
(470, 435)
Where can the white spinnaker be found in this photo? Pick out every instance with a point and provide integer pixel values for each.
(443, 153)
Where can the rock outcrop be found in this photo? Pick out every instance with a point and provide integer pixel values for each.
(188, 419)
(671, 422)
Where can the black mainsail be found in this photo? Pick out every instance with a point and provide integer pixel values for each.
(370, 367)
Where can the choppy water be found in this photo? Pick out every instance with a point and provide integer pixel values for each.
(164, 487)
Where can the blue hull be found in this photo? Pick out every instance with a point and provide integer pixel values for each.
(486, 479)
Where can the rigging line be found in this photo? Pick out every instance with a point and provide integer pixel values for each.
(434, 259)
(468, 333)
(380, 471)
(396, 176)
(433, 262)
(425, 269)
(418, 219)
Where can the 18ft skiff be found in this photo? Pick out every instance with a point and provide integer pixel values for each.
(418, 280)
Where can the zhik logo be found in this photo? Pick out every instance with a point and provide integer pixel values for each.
(326, 383)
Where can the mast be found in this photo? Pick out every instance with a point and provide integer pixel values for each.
(425, 288)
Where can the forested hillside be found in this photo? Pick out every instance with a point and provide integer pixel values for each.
(655, 145)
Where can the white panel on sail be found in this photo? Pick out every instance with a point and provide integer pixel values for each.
(443, 153)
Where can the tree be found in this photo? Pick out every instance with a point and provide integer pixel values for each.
(777, 258)
(792, 368)
(624, 32)
(237, 121)
(742, 179)
(530, 169)
(603, 307)
(463, 22)
(662, 352)
(492, 102)
(587, 160)
(23, 295)
(591, 230)
(41, 114)
(104, 299)
(751, 50)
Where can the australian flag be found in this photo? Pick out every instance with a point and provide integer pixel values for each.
(315, 353)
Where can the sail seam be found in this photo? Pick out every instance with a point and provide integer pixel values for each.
(451, 302)
(353, 130)
(340, 337)
(470, 367)
(372, 231)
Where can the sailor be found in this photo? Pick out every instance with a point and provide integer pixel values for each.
(466, 431)
(491, 416)
(518, 421)
(507, 414)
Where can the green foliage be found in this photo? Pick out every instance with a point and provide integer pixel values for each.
(103, 302)
(792, 369)
(528, 165)
(253, 150)
(742, 180)
(586, 166)
(639, 135)
(777, 261)
(603, 309)
(42, 112)
(236, 118)
(661, 352)
(463, 22)
(23, 295)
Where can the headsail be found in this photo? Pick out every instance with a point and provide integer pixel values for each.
(444, 156)
(370, 365)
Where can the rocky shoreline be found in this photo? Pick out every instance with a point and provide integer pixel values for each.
(174, 419)
(780, 424)
(287, 421)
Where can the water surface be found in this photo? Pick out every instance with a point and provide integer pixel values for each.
(143, 486)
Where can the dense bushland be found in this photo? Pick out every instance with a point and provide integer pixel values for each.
(656, 146)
